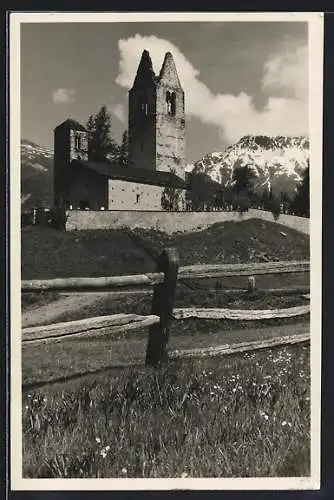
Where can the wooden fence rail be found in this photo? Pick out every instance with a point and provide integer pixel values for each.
(225, 270)
(164, 281)
(186, 272)
(88, 284)
(83, 328)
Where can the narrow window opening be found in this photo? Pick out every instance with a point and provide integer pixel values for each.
(77, 142)
(170, 103)
(137, 198)
(144, 108)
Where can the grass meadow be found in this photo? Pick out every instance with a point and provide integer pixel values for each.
(238, 416)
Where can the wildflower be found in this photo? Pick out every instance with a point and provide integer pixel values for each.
(284, 423)
(104, 451)
(184, 475)
(234, 389)
(263, 414)
(98, 440)
(124, 471)
(27, 407)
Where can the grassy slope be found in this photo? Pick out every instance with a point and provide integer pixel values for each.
(49, 253)
(243, 416)
(233, 242)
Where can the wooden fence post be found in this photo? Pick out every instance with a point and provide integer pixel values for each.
(162, 306)
(251, 284)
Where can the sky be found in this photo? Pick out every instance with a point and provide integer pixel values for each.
(239, 78)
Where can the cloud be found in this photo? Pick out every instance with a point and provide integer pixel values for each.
(119, 111)
(61, 96)
(284, 85)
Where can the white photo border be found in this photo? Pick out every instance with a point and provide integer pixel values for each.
(315, 41)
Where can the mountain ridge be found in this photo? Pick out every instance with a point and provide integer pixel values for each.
(277, 162)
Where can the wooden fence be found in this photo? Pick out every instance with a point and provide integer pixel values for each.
(164, 282)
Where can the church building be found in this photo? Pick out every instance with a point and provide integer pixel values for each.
(156, 131)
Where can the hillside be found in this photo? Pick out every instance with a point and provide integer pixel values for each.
(251, 240)
(48, 253)
(276, 162)
(36, 175)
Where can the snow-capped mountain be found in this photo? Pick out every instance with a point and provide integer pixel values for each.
(277, 162)
(36, 175)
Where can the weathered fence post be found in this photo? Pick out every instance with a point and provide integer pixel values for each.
(162, 306)
(251, 284)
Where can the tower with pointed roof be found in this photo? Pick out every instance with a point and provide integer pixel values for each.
(157, 118)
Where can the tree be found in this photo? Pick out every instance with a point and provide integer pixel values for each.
(171, 197)
(265, 198)
(99, 135)
(301, 202)
(200, 194)
(243, 202)
(274, 206)
(124, 149)
(285, 201)
(243, 178)
(90, 126)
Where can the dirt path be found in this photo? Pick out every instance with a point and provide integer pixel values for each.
(49, 313)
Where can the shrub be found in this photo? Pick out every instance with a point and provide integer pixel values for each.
(274, 207)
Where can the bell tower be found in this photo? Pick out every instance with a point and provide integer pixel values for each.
(157, 118)
(142, 116)
(170, 120)
(70, 143)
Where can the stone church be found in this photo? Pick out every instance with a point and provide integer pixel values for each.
(156, 131)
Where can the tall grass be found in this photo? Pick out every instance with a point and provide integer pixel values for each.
(244, 416)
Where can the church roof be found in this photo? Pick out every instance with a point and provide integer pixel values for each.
(168, 73)
(145, 73)
(71, 124)
(133, 174)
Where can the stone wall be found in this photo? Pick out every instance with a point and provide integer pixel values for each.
(171, 222)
